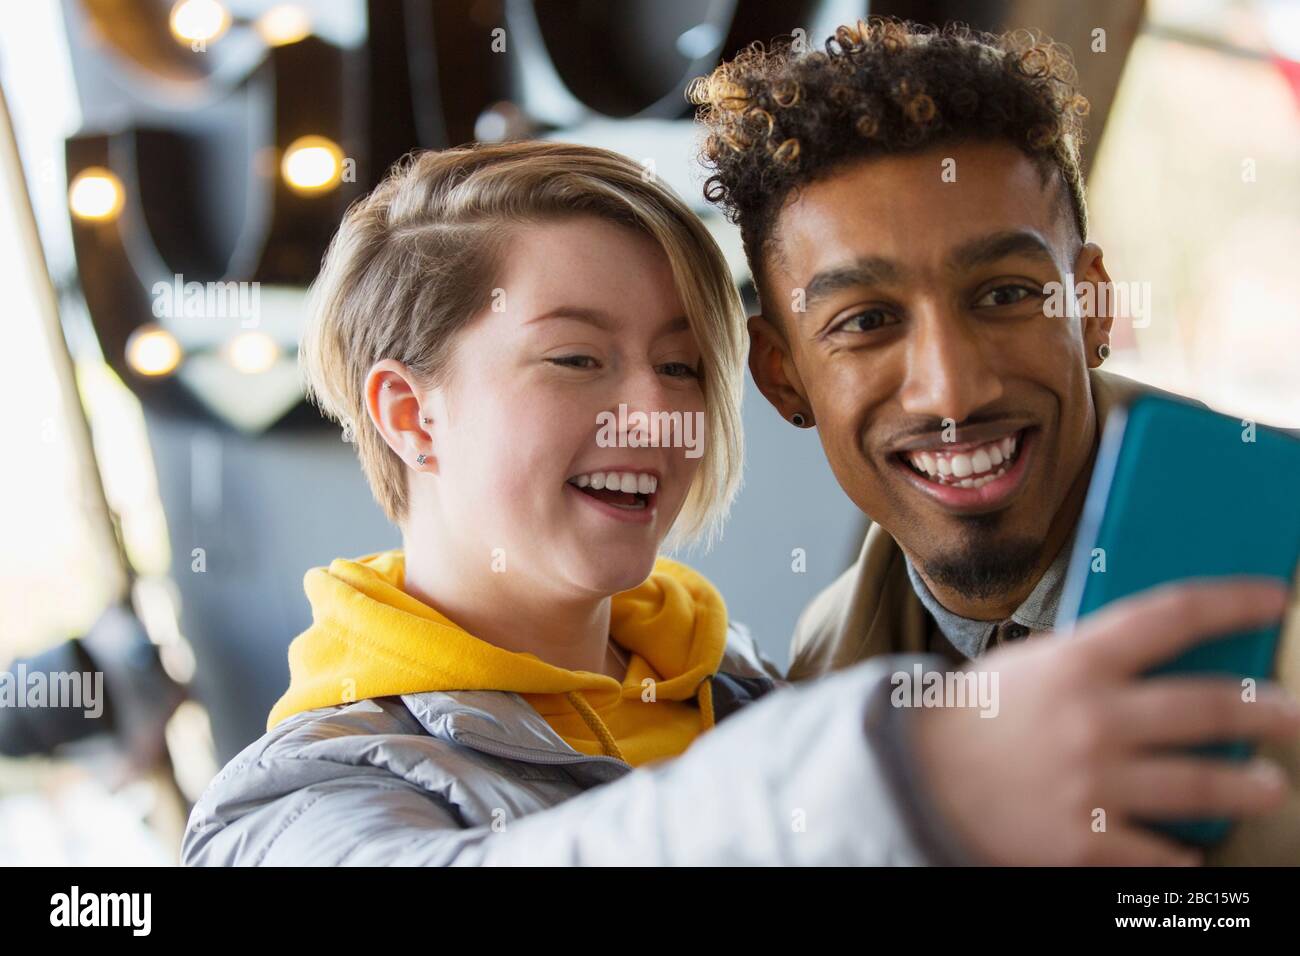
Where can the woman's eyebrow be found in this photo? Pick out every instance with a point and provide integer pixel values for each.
(673, 326)
(603, 320)
(596, 317)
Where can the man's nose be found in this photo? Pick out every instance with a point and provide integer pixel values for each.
(950, 373)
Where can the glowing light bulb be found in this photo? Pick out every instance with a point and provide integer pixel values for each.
(198, 21)
(153, 351)
(284, 24)
(252, 352)
(312, 164)
(96, 194)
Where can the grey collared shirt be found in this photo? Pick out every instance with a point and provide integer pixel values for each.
(1036, 613)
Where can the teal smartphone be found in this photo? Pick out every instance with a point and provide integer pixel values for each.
(1179, 491)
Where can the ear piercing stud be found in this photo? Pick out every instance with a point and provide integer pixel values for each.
(798, 420)
(421, 458)
(1103, 351)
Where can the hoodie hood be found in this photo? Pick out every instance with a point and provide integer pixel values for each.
(369, 638)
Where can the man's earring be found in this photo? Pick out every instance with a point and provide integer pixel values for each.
(1103, 351)
(424, 421)
(798, 420)
(421, 458)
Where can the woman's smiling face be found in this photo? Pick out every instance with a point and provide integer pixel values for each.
(586, 317)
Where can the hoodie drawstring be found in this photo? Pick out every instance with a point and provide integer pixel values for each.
(608, 745)
(706, 702)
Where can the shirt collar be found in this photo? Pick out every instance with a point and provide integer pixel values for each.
(1037, 612)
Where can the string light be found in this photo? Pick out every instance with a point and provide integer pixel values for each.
(312, 164)
(96, 195)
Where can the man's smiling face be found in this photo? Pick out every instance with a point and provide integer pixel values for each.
(954, 411)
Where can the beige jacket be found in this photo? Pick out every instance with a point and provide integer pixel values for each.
(871, 609)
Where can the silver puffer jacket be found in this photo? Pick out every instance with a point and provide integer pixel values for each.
(811, 774)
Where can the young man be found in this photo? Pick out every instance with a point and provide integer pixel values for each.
(907, 200)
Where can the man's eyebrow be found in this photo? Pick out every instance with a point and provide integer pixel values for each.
(1000, 245)
(869, 270)
(603, 320)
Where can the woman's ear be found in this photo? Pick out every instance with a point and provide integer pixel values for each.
(1099, 317)
(394, 403)
(774, 372)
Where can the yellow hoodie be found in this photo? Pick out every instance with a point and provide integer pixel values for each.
(369, 638)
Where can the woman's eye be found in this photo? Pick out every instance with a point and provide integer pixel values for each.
(867, 321)
(574, 361)
(679, 370)
(1005, 295)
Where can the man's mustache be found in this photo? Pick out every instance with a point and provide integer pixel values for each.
(976, 428)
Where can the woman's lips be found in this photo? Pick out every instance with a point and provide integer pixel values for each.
(640, 516)
(988, 497)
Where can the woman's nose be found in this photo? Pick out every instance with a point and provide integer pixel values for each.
(646, 400)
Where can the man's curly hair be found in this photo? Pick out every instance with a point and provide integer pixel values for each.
(777, 119)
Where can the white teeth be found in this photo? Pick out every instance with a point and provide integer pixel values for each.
(633, 482)
(977, 482)
(969, 469)
(983, 479)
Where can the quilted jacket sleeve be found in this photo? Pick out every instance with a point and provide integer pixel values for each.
(808, 775)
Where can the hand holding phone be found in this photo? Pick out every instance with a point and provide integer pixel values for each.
(1178, 492)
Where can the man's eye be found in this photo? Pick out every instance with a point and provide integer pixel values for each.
(1005, 295)
(574, 361)
(867, 321)
(679, 370)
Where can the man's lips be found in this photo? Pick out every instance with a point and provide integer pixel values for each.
(966, 438)
(990, 496)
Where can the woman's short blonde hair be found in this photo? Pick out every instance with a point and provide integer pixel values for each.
(415, 260)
